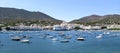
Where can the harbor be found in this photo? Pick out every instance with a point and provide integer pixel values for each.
(59, 26)
(80, 41)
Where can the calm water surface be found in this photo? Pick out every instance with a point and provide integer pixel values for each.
(107, 44)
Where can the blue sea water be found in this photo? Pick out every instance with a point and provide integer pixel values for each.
(107, 44)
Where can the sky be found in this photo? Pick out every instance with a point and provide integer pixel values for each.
(66, 10)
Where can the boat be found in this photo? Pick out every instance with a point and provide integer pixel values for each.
(99, 36)
(68, 37)
(16, 38)
(25, 41)
(62, 34)
(54, 39)
(25, 36)
(106, 32)
(50, 37)
(64, 41)
(80, 38)
(47, 34)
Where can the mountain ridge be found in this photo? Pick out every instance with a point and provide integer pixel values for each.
(97, 19)
(13, 14)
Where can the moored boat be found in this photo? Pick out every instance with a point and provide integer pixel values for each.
(55, 39)
(99, 36)
(16, 38)
(68, 37)
(80, 38)
(64, 41)
(25, 41)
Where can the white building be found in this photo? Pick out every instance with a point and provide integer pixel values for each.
(1, 24)
(63, 26)
(90, 27)
(87, 27)
(113, 26)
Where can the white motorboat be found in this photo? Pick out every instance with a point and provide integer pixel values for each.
(55, 39)
(16, 38)
(80, 38)
(106, 32)
(50, 36)
(25, 41)
(99, 36)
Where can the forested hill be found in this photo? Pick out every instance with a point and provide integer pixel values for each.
(99, 20)
(21, 15)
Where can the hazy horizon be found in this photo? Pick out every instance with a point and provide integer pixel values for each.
(66, 10)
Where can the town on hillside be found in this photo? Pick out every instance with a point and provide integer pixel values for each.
(64, 26)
